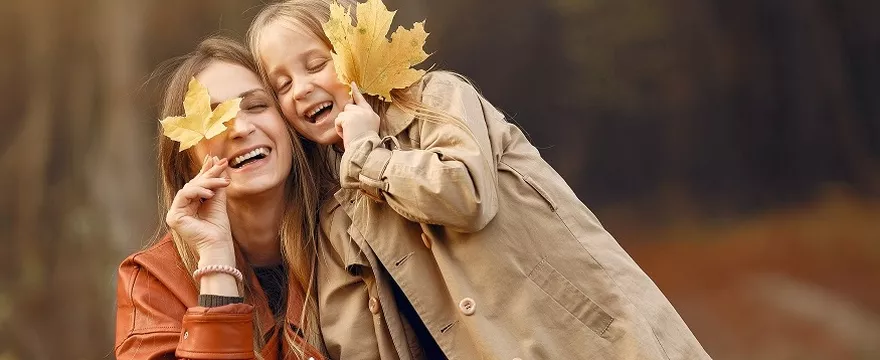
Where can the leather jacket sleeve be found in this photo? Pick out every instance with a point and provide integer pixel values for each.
(158, 321)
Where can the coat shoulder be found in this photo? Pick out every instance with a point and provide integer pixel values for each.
(160, 259)
(439, 85)
(154, 270)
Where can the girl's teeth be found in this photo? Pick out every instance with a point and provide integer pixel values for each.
(319, 108)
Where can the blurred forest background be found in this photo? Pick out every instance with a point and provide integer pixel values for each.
(732, 146)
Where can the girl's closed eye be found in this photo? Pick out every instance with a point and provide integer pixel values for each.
(282, 86)
(317, 65)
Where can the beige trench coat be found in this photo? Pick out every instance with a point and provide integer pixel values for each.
(492, 248)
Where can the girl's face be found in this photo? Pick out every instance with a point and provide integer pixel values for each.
(257, 142)
(301, 72)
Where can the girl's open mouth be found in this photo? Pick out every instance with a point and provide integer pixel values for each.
(320, 112)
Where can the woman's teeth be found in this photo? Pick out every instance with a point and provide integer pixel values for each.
(255, 154)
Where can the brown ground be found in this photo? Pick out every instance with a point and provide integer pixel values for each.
(796, 284)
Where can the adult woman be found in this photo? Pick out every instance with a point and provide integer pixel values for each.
(240, 201)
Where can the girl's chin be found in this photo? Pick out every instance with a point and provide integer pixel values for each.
(330, 137)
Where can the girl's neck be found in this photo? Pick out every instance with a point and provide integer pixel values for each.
(255, 221)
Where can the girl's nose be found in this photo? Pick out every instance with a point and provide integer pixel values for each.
(302, 89)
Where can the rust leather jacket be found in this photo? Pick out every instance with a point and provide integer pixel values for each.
(158, 317)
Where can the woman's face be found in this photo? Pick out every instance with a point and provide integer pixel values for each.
(300, 70)
(257, 142)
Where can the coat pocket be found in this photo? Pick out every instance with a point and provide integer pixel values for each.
(571, 298)
(533, 184)
(355, 261)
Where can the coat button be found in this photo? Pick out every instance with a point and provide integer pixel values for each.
(374, 305)
(467, 306)
(426, 240)
(185, 335)
(517, 359)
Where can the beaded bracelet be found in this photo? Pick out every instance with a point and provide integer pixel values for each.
(224, 269)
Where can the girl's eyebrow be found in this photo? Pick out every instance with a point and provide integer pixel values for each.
(242, 95)
(305, 55)
(311, 52)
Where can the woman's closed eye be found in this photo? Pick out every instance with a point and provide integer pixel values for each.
(254, 106)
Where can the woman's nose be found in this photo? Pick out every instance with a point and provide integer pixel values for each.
(240, 127)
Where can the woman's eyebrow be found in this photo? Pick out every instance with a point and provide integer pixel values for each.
(242, 95)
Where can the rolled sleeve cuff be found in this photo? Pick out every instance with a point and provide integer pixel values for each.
(364, 164)
(223, 332)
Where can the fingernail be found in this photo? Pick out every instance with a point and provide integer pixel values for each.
(206, 158)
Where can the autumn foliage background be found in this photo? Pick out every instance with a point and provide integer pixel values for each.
(732, 146)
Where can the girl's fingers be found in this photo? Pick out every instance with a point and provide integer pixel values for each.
(357, 97)
(339, 122)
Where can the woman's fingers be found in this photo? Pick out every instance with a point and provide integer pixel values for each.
(210, 183)
(206, 164)
(198, 188)
(219, 167)
(201, 193)
(188, 194)
(184, 203)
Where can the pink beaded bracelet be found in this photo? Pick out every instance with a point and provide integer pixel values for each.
(225, 269)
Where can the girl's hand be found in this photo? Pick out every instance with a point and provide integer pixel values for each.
(357, 118)
(198, 212)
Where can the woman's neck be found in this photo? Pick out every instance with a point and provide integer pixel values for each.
(255, 221)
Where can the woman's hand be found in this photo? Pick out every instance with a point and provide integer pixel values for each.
(357, 118)
(198, 212)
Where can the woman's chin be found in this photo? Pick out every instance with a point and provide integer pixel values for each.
(244, 188)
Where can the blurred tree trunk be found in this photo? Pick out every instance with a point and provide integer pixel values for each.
(83, 188)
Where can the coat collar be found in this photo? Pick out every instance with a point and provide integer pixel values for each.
(395, 121)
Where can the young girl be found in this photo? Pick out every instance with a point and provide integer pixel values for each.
(237, 203)
(451, 237)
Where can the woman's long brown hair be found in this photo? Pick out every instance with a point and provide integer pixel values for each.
(299, 224)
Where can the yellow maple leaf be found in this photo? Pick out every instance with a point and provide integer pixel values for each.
(200, 121)
(363, 54)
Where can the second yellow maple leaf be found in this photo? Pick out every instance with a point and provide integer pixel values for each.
(362, 53)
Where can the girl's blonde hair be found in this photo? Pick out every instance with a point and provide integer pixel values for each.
(309, 15)
(299, 224)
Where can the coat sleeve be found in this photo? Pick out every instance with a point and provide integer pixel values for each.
(343, 297)
(152, 323)
(451, 179)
